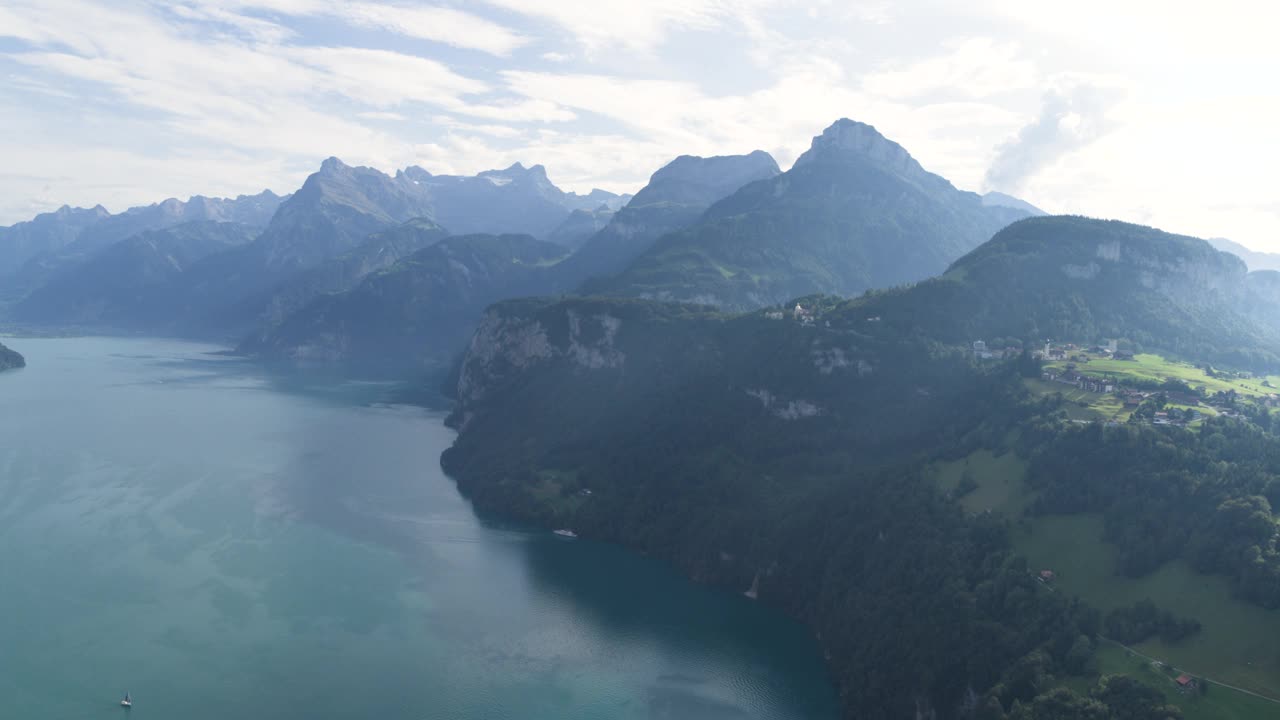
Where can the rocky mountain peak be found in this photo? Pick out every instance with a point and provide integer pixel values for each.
(848, 139)
(332, 164)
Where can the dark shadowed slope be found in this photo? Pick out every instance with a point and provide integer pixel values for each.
(416, 314)
(378, 252)
(676, 196)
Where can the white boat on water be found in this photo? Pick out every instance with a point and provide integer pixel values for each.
(564, 532)
(126, 702)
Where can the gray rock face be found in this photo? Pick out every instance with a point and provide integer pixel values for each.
(515, 200)
(47, 232)
(847, 139)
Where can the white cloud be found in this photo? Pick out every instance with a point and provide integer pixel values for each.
(444, 25)
(154, 95)
(972, 67)
(380, 115)
(425, 22)
(598, 24)
(382, 78)
(1074, 114)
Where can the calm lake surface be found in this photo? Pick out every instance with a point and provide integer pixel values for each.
(223, 543)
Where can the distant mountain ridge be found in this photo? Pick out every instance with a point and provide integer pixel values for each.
(1255, 259)
(999, 199)
(36, 250)
(337, 210)
(676, 195)
(855, 212)
(512, 200)
(125, 285)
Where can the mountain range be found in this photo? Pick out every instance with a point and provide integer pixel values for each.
(855, 212)
(762, 377)
(676, 194)
(32, 252)
(1255, 259)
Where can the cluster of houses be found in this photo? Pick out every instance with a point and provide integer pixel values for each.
(801, 314)
(1070, 377)
(1081, 353)
(982, 352)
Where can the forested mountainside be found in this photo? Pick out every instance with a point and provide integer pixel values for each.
(855, 212)
(415, 314)
(781, 458)
(791, 453)
(10, 359)
(1079, 278)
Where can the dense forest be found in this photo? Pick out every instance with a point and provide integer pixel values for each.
(787, 452)
(791, 460)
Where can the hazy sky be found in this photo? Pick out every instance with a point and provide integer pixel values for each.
(1164, 113)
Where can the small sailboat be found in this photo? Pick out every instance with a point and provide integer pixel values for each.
(127, 702)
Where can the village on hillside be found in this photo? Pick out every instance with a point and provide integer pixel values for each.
(1119, 385)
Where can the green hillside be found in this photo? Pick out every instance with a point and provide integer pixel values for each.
(1074, 278)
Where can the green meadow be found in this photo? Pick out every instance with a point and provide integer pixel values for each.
(999, 478)
(1156, 368)
(1238, 643)
(1217, 704)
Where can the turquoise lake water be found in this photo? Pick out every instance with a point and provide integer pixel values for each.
(225, 543)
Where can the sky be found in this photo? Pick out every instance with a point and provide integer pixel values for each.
(1160, 113)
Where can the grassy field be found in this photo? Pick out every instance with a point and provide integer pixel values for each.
(1157, 369)
(1082, 404)
(1217, 704)
(999, 477)
(1238, 644)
